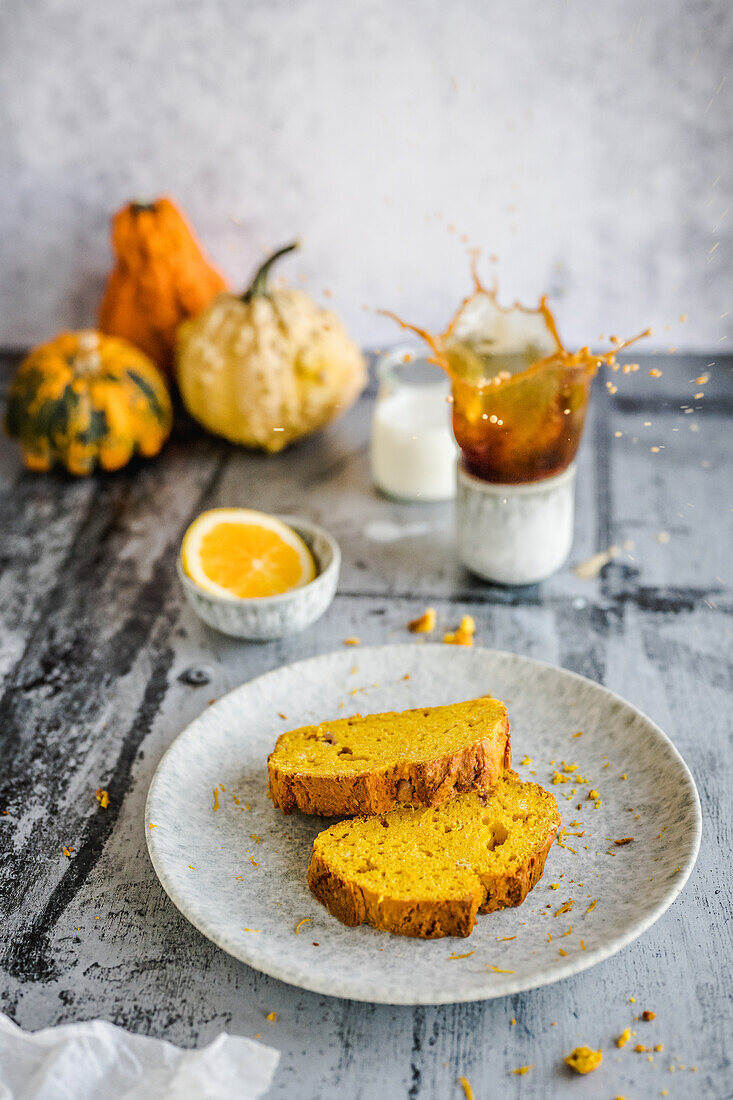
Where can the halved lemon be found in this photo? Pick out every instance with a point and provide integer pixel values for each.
(239, 552)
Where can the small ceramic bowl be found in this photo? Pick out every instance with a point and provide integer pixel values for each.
(265, 618)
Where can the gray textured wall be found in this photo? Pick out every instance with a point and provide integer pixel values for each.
(588, 145)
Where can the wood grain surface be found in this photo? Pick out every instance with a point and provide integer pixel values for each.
(95, 647)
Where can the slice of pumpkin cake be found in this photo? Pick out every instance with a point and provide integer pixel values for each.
(366, 765)
(427, 872)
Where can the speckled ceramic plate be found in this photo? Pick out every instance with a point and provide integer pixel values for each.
(236, 867)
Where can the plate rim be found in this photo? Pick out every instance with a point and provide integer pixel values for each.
(576, 964)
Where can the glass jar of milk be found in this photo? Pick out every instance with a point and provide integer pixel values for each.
(413, 452)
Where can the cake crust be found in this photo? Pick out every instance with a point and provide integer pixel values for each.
(430, 782)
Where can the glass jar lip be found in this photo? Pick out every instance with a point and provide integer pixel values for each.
(390, 363)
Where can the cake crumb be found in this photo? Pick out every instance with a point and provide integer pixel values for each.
(461, 636)
(584, 1060)
(513, 1021)
(271, 1016)
(624, 840)
(521, 1070)
(624, 1037)
(67, 851)
(424, 624)
(352, 641)
(102, 797)
(590, 568)
(647, 1015)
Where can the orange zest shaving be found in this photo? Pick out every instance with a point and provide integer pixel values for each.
(467, 1090)
(299, 925)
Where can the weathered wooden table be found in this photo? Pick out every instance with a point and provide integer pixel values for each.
(95, 640)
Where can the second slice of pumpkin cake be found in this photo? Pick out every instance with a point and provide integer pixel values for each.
(427, 872)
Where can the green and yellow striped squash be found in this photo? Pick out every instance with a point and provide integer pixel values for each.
(85, 400)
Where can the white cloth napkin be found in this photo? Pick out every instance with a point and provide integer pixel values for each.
(95, 1059)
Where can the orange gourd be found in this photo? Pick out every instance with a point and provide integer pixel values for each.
(160, 278)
